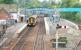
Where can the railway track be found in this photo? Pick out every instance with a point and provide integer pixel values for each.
(39, 43)
(21, 41)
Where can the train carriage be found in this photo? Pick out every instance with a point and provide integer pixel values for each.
(32, 21)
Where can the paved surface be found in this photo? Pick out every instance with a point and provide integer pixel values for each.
(14, 29)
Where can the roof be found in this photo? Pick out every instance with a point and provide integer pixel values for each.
(4, 14)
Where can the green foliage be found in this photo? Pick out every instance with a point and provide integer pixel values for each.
(36, 3)
(33, 4)
(45, 4)
(78, 17)
(6, 1)
(70, 3)
(78, 5)
(72, 16)
(1, 1)
(63, 39)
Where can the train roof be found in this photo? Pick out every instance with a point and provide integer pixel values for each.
(34, 16)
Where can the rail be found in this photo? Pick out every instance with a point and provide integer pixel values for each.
(20, 42)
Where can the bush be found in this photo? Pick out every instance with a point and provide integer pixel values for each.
(72, 16)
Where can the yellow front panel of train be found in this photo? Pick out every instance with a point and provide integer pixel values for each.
(31, 20)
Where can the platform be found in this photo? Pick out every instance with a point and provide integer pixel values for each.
(12, 32)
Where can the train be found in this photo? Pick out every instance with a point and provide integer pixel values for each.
(32, 21)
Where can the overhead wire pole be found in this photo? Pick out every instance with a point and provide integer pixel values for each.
(24, 6)
(57, 27)
(57, 40)
(25, 10)
(17, 8)
(57, 16)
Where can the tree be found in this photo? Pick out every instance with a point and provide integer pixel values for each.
(54, 3)
(6, 1)
(32, 4)
(72, 16)
(1, 1)
(78, 17)
(69, 3)
(78, 5)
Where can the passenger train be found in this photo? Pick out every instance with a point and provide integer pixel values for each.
(32, 21)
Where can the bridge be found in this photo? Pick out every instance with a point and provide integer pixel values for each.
(49, 10)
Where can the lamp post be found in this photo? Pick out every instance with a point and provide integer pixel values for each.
(17, 5)
(57, 39)
(17, 2)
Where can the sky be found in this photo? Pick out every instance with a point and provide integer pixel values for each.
(57, 1)
(43, 0)
(80, 0)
